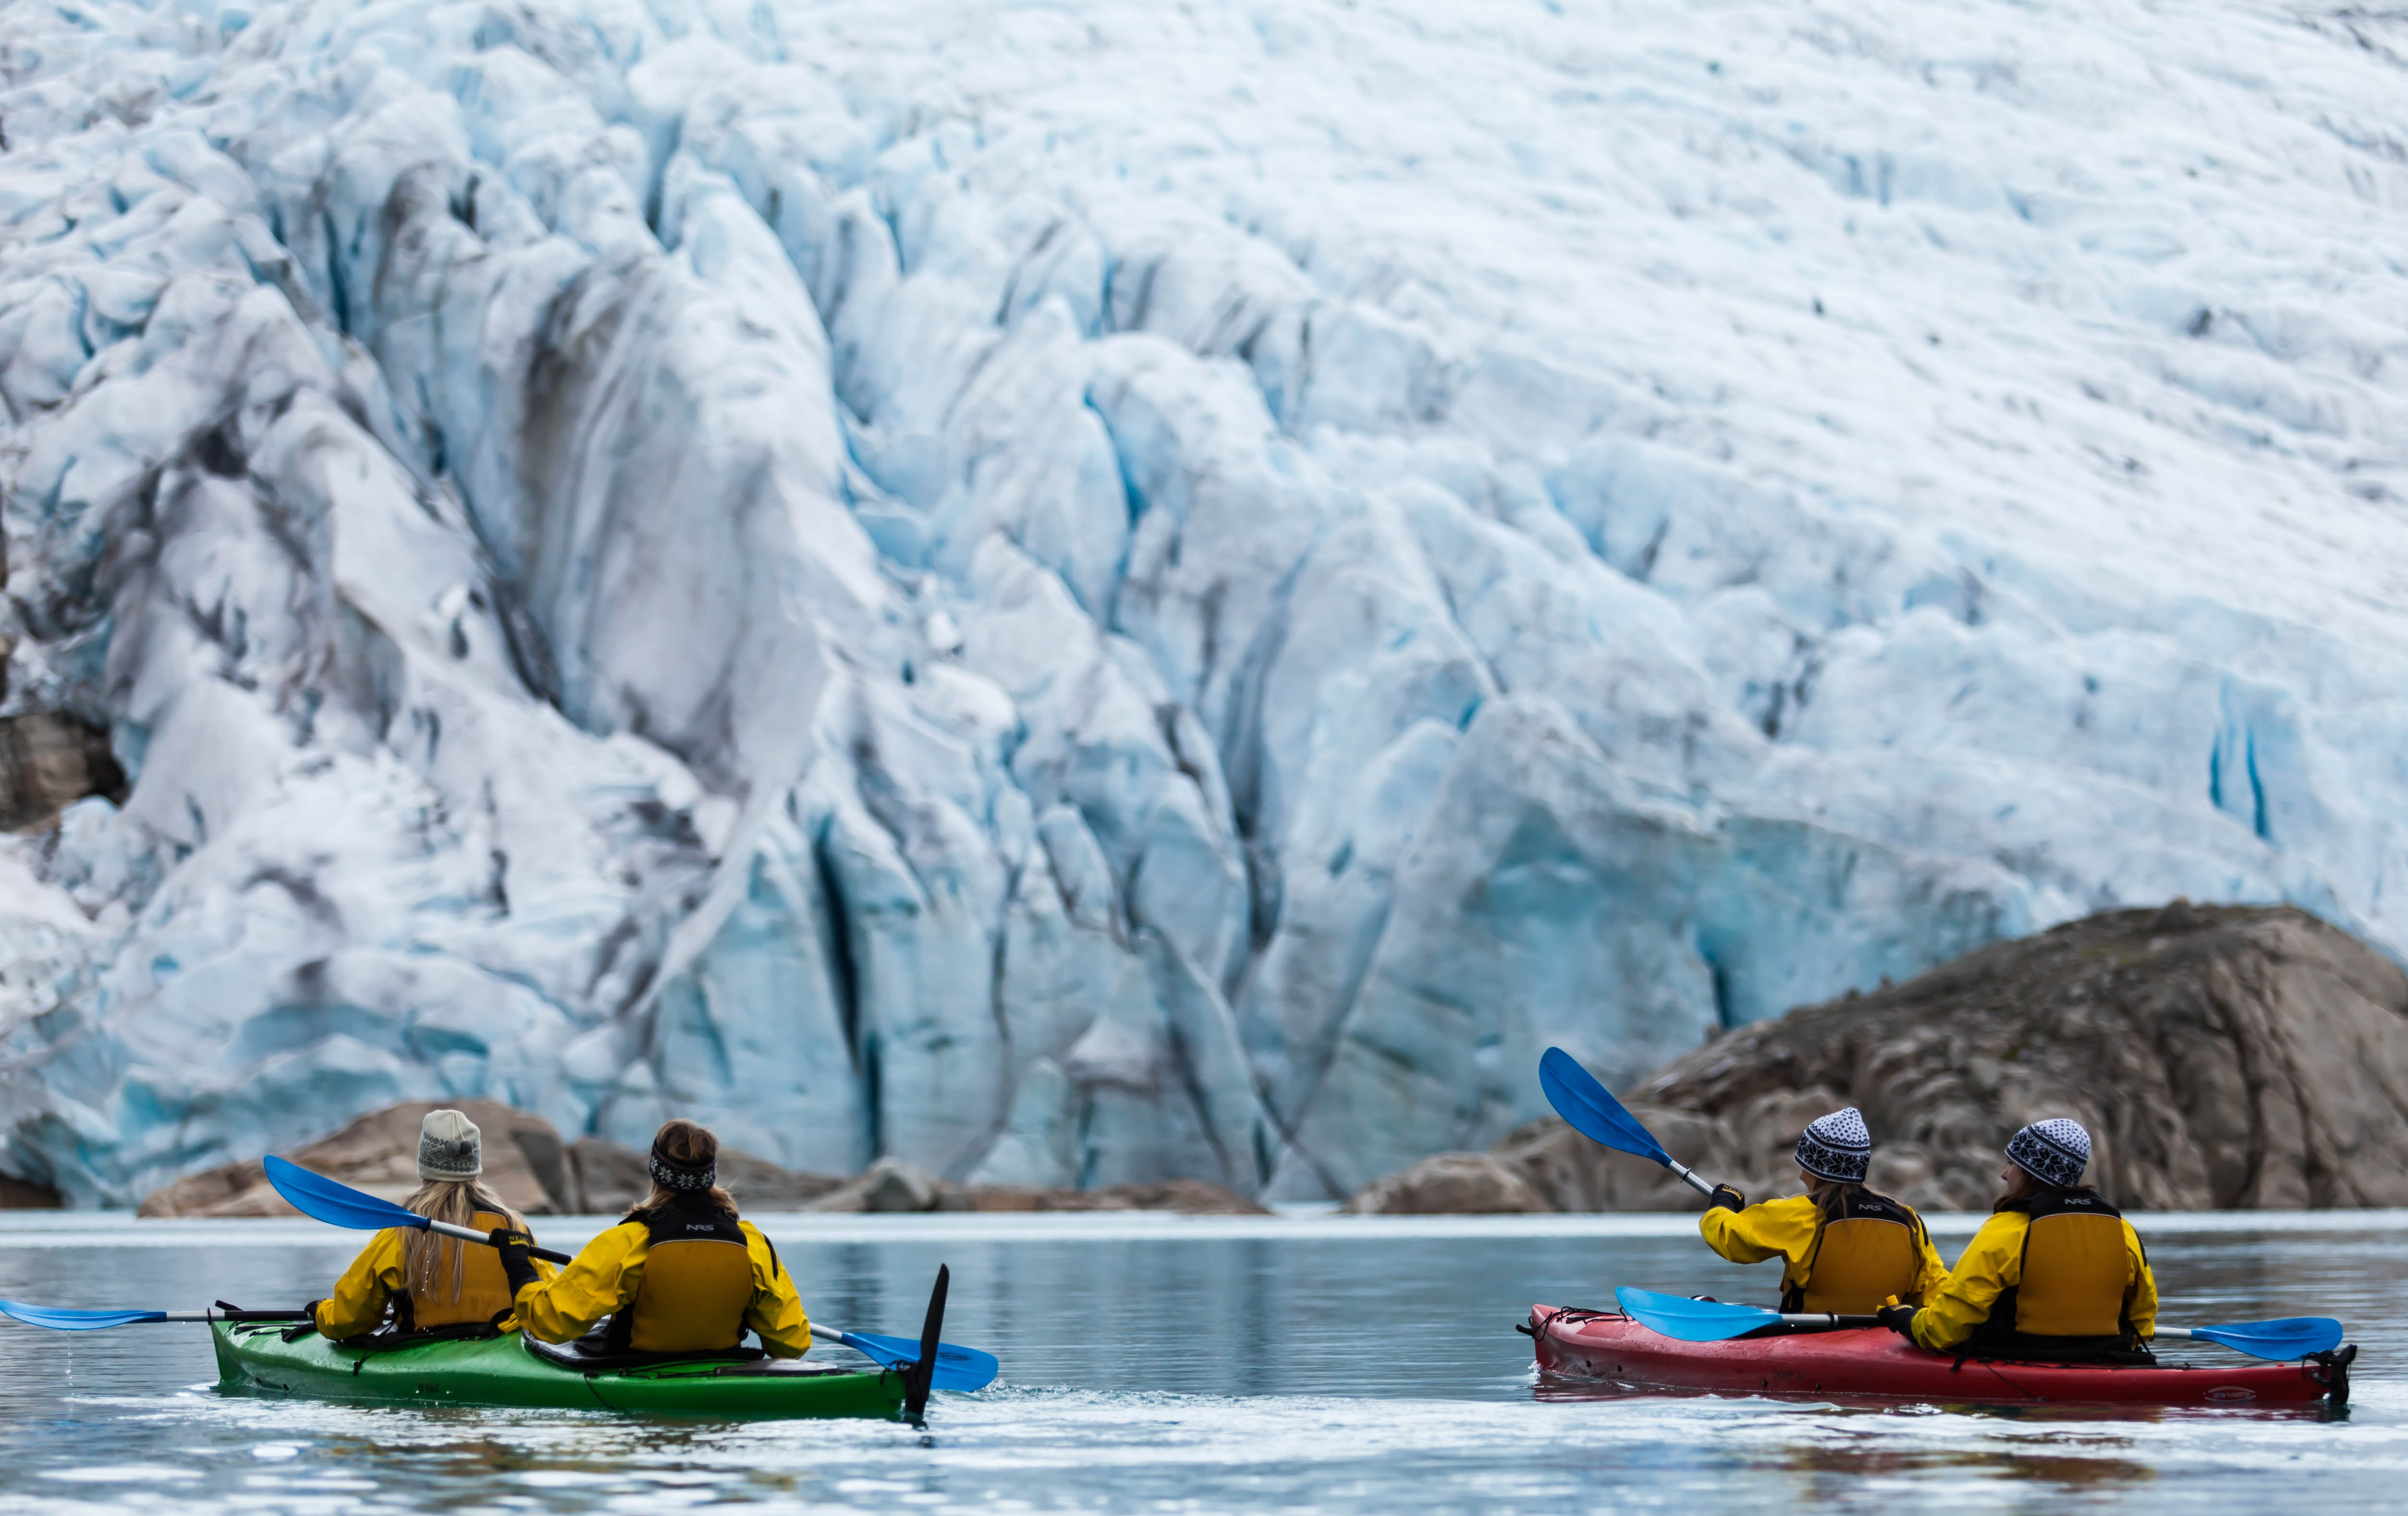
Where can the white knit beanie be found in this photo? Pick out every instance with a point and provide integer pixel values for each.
(450, 1147)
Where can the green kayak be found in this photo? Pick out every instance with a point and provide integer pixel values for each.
(508, 1372)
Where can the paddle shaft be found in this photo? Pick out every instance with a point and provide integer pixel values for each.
(469, 1234)
(1688, 1175)
(225, 1316)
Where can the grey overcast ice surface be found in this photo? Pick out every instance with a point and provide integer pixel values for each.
(1078, 593)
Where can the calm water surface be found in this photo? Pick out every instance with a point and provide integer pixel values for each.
(1169, 1365)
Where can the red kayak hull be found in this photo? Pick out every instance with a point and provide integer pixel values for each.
(1612, 1349)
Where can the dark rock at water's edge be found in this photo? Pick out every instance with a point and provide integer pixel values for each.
(26, 1195)
(1191, 1198)
(532, 1169)
(603, 1177)
(2222, 1057)
(525, 1164)
(49, 760)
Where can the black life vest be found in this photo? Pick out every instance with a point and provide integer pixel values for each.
(2075, 1292)
(1866, 1248)
(697, 1282)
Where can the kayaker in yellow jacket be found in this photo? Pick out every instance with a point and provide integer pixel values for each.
(1845, 1249)
(682, 1274)
(427, 1282)
(2055, 1272)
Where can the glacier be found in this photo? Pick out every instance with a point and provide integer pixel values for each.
(1084, 593)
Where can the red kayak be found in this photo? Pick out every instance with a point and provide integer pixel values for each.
(1610, 1348)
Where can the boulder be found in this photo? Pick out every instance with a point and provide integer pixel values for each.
(1450, 1184)
(889, 1184)
(49, 761)
(525, 1164)
(26, 1195)
(2221, 1057)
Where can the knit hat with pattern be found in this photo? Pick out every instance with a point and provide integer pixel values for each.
(450, 1147)
(1836, 1147)
(2054, 1152)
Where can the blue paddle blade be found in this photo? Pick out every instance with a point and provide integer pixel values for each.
(1691, 1321)
(957, 1368)
(1591, 1109)
(58, 1320)
(322, 1199)
(2293, 1337)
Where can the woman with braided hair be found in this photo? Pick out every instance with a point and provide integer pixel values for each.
(683, 1274)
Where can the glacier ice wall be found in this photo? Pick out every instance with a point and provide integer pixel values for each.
(1086, 594)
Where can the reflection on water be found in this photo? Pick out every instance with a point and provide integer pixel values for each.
(1163, 1365)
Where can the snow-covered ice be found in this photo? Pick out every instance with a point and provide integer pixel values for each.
(1084, 592)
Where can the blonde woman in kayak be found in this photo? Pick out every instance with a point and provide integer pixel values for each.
(431, 1283)
(2056, 1272)
(683, 1274)
(1845, 1249)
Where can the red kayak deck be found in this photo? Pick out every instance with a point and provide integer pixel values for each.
(1610, 1348)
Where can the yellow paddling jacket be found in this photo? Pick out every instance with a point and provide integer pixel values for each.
(431, 1282)
(1851, 1255)
(2061, 1270)
(687, 1277)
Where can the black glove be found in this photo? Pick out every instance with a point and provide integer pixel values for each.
(1898, 1319)
(1727, 1198)
(518, 1263)
(301, 1328)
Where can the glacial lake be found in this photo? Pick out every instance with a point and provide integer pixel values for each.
(1167, 1364)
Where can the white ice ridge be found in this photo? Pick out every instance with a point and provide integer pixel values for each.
(1080, 594)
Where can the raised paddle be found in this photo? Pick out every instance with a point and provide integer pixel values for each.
(1594, 1114)
(338, 1205)
(1714, 1321)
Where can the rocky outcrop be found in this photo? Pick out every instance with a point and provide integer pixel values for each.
(605, 1177)
(528, 1165)
(1450, 1184)
(525, 1164)
(24, 1195)
(48, 761)
(2221, 1057)
(1190, 1197)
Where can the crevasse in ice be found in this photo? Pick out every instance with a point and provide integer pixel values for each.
(1086, 594)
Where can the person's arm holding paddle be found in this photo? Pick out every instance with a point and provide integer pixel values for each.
(380, 1272)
